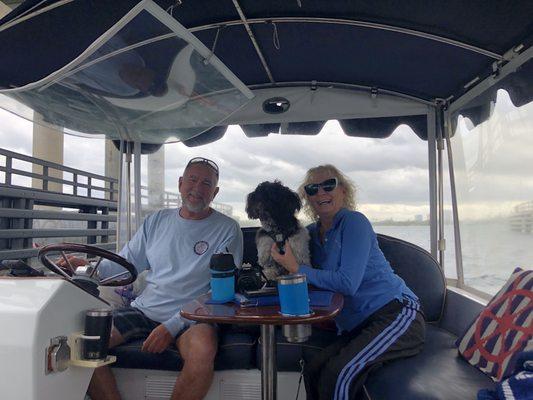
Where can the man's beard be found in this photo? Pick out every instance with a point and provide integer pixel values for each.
(195, 208)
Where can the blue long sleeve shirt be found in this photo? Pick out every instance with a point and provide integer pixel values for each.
(350, 262)
(176, 251)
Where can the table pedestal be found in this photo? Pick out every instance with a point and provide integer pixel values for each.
(269, 373)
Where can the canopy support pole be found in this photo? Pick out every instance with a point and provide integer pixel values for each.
(432, 168)
(440, 181)
(137, 183)
(455, 210)
(124, 196)
(127, 191)
(120, 208)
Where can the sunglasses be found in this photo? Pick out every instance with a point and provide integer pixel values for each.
(328, 185)
(201, 160)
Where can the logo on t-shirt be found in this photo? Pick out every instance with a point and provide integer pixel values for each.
(201, 247)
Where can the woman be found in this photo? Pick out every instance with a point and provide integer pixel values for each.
(381, 318)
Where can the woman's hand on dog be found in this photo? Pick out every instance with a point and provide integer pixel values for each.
(287, 260)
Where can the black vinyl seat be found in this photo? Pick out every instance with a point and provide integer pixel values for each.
(437, 373)
(420, 271)
(236, 350)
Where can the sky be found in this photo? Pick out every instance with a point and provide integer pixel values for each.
(390, 174)
(381, 170)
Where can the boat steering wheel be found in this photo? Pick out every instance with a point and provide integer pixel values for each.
(85, 277)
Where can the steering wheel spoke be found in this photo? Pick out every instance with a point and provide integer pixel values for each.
(103, 282)
(96, 267)
(58, 270)
(78, 277)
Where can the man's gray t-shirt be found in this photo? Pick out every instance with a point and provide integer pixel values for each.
(177, 252)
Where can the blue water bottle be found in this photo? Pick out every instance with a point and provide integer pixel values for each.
(222, 269)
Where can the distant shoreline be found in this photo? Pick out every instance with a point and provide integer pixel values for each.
(390, 222)
(400, 223)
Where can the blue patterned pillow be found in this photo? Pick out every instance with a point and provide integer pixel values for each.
(503, 329)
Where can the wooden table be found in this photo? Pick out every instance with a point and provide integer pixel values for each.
(267, 317)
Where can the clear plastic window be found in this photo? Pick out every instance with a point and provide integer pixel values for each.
(493, 164)
(147, 80)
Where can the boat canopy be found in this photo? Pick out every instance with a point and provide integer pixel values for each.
(184, 70)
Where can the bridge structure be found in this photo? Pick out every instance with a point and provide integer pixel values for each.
(521, 220)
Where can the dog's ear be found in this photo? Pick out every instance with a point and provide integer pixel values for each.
(294, 202)
(251, 208)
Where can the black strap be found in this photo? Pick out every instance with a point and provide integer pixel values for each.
(302, 364)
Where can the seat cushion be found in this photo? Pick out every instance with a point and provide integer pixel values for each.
(503, 328)
(438, 372)
(420, 271)
(236, 350)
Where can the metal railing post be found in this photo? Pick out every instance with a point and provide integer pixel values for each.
(9, 166)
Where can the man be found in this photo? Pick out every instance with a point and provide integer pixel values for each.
(176, 246)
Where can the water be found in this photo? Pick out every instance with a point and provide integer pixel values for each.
(491, 250)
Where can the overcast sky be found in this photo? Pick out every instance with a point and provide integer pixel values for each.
(390, 174)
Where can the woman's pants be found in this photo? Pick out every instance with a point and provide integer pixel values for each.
(396, 330)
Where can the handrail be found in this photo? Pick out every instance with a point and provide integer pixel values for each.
(48, 198)
(27, 214)
(62, 215)
(45, 177)
(53, 233)
(60, 167)
(14, 171)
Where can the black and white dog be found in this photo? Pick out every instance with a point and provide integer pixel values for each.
(275, 205)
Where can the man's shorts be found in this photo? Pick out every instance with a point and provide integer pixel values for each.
(132, 323)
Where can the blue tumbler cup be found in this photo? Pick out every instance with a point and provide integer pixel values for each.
(222, 269)
(293, 295)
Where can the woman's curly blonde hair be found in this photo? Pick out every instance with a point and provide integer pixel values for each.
(344, 181)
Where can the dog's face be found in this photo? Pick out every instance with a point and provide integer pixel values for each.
(273, 204)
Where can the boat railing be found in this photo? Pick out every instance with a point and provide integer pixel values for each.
(54, 177)
(62, 204)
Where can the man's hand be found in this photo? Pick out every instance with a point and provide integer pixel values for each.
(75, 262)
(287, 260)
(158, 340)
